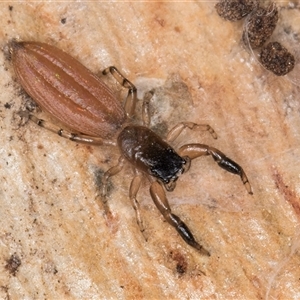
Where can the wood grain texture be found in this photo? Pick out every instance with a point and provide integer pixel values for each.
(55, 241)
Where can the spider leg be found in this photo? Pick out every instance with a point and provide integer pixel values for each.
(196, 150)
(159, 198)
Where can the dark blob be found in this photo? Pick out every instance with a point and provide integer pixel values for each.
(234, 10)
(260, 26)
(13, 264)
(277, 59)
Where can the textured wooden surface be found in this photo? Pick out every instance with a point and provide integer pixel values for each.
(55, 242)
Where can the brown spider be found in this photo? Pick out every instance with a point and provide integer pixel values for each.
(79, 99)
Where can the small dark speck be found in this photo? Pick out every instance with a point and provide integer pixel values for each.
(10, 7)
(177, 29)
(98, 177)
(180, 269)
(287, 29)
(181, 263)
(13, 264)
(7, 105)
(63, 20)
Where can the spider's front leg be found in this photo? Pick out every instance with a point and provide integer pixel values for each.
(196, 150)
(159, 198)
